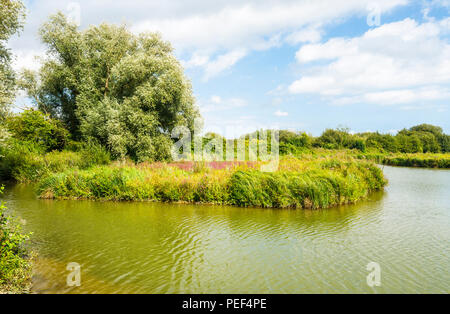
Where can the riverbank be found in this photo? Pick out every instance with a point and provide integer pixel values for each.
(298, 183)
(418, 160)
(441, 161)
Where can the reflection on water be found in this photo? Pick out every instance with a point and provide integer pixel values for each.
(161, 248)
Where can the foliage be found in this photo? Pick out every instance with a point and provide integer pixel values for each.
(36, 127)
(409, 143)
(26, 162)
(293, 142)
(382, 142)
(310, 183)
(15, 269)
(126, 91)
(338, 139)
(428, 160)
(12, 15)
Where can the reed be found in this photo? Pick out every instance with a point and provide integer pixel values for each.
(427, 160)
(314, 182)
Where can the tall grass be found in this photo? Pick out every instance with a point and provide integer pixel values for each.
(308, 183)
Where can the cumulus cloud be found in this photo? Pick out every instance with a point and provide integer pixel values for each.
(213, 35)
(395, 63)
(310, 34)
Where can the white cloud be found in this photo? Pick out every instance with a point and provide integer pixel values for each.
(242, 28)
(223, 62)
(396, 97)
(240, 24)
(280, 113)
(197, 59)
(395, 63)
(213, 35)
(310, 34)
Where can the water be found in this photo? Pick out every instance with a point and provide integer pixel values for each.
(162, 248)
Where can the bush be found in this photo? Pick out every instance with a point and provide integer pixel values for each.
(339, 139)
(15, 269)
(35, 127)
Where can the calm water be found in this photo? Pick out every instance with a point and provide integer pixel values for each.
(161, 248)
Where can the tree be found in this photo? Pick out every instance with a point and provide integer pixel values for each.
(340, 138)
(442, 139)
(12, 15)
(435, 130)
(332, 139)
(125, 91)
(408, 143)
(293, 142)
(384, 142)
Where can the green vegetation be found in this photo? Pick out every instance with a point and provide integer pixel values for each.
(424, 138)
(39, 145)
(12, 15)
(124, 91)
(34, 127)
(306, 183)
(15, 267)
(410, 160)
(420, 146)
(25, 162)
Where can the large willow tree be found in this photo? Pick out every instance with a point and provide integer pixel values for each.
(126, 91)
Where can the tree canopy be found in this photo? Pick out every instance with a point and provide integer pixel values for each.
(126, 91)
(12, 15)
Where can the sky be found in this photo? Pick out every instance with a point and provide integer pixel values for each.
(301, 65)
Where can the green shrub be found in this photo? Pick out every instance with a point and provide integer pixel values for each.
(15, 268)
(38, 128)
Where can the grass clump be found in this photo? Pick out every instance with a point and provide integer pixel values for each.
(314, 182)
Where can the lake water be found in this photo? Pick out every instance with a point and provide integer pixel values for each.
(162, 248)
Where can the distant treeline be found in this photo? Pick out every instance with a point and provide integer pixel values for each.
(424, 138)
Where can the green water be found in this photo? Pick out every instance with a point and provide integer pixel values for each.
(162, 248)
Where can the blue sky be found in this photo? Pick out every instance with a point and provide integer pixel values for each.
(300, 65)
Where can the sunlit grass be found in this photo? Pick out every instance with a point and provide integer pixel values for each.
(310, 182)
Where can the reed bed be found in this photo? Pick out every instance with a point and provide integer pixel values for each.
(428, 160)
(298, 183)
